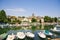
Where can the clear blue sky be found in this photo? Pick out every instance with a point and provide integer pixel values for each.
(27, 7)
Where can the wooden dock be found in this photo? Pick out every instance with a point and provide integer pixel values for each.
(54, 39)
(0, 38)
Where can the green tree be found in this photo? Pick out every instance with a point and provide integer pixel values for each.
(48, 19)
(55, 19)
(16, 21)
(39, 21)
(34, 20)
(19, 21)
(23, 16)
(9, 20)
(3, 17)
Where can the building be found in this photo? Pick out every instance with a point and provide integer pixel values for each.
(28, 19)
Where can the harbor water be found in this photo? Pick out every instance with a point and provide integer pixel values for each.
(35, 33)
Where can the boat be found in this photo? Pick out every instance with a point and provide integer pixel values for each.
(29, 34)
(42, 35)
(56, 28)
(20, 35)
(11, 37)
(48, 33)
(3, 36)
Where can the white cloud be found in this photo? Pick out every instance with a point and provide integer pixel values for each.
(16, 10)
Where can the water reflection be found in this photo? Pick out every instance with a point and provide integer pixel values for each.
(42, 27)
(33, 29)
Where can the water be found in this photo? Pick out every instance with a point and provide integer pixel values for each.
(35, 32)
(36, 35)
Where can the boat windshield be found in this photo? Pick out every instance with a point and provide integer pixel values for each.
(58, 28)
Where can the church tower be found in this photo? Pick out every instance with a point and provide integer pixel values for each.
(33, 15)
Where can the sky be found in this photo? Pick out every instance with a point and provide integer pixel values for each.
(27, 7)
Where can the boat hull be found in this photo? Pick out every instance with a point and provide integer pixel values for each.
(20, 39)
(56, 32)
(41, 38)
(29, 38)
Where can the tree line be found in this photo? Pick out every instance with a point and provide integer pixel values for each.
(49, 19)
(4, 19)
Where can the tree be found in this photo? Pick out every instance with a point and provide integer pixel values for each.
(19, 21)
(9, 20)
(3, 17)
(34, 20)
(48, 19)
(16, 21)
(55, 19)
(39, 21)
(23, 16)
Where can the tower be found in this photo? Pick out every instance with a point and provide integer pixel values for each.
(33, 15)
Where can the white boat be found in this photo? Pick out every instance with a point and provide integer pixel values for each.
(48, 33)
(11, 37)
(20, 35)
(42, 35)
(3, 36)
(56, 28)
(29, 34)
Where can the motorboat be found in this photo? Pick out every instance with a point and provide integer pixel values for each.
(11, 37)
(3, 36)
(20, 35)
(56, 29)
(29, 34)
(46, 32)
(42, 35)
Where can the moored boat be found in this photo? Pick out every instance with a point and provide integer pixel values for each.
(48, 33)
(3, 36)
(29, 34)
(20, 35)
(11, 37)
(42, 35)
(56, 29)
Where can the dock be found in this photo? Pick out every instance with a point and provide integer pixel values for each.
(54, 39)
